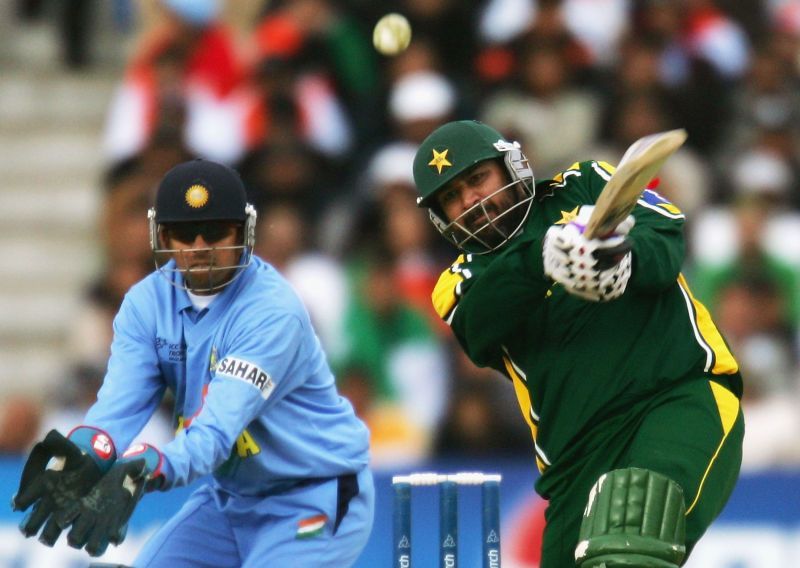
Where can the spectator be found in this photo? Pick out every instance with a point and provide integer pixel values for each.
(324, 76)
(753, 237)
(393, 345)
(766, 111)
(784, 35)
(418, 101)
(319, 279)
(181, 77)
(286, 168)
(685, 179)
(750, 311)
(388, 213)
(599, 26)
(541, 100)
(703, 53)
(331, 38)
(395, 439)
(449, 27)
(20, 416)
(472, 424)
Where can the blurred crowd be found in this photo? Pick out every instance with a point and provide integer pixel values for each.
(323, 130)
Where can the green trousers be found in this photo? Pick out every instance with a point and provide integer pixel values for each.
(691, 433)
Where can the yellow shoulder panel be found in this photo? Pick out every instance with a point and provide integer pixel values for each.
(606, 166)
(559, 177)
(445, 293)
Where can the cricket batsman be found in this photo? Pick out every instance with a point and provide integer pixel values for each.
(630, 392)
(255, 403)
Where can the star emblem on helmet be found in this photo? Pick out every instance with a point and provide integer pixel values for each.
(440, 160)
(196, 196)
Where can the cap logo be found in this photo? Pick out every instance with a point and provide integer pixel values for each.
(196, 196)
(440, 160)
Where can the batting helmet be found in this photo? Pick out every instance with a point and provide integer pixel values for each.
(454, 148)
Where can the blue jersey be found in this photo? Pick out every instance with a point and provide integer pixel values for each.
(255, 400)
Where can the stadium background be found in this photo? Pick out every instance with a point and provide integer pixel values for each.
(323, 129)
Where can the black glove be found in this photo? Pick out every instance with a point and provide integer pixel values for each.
(101, 517)
(52, 491)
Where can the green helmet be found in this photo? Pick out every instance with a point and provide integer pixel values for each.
(452, 149)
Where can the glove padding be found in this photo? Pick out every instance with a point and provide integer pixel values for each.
(101, 518)
(52, 491)
(597, 270)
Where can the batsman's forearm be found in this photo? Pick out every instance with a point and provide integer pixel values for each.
(657, 257)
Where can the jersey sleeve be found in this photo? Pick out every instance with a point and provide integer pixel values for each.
(252, 374)
(657, 238)
(132, 387)
(658, 242)
(485, 300)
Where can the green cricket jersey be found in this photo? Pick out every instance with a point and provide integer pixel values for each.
(576, 363)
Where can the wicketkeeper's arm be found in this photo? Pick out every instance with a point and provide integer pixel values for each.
(101, 517)
(57, 474)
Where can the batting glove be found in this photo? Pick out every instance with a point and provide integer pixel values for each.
(101, 518)
(57, 474)
(597, 270)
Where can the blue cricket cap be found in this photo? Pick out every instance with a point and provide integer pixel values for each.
(200, 190)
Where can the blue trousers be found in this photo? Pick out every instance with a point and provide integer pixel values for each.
(217, 529)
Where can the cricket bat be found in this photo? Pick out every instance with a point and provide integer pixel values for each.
(636, 169)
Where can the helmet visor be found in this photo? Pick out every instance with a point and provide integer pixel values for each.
(202, 257)
(202, 270)
(490, 223)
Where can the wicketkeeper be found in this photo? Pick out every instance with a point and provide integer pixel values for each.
(630, 392)
(255, 403)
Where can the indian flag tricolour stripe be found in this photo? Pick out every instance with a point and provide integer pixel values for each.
(311, 526)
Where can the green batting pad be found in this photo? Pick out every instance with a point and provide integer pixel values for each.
(634, 517)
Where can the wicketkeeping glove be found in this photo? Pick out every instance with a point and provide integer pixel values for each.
(57, 474)
(597, 270)
(101, 518)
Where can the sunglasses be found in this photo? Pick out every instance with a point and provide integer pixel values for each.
(211, 232)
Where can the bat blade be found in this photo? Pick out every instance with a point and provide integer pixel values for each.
(636, 169)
